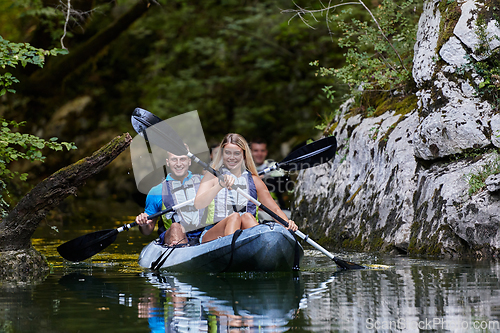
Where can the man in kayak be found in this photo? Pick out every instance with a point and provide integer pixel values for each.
(258, 147)
(229, 210)
(179, 186)
(275, 180)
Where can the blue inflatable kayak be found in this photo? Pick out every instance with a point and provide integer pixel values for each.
(268, 247)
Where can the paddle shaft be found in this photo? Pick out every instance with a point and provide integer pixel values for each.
(285, 223)
(315, 153)
(152, 216)
(269, 169)
(80, 243)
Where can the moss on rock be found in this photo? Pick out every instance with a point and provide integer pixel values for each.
(450, 14)
(22, 266)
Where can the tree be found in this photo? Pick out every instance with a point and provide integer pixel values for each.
(243, 66)
(378, 46)
(14, 145)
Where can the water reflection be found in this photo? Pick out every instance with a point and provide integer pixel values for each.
(222, 303)
(413, 296)
(111, 293)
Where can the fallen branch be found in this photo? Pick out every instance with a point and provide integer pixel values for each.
(20, 224)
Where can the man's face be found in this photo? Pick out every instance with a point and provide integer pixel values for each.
(259, 152)
(179, 165)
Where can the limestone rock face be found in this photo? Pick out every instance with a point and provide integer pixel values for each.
(427, 38)
(467, 29)
(452, 118)
(493, 183)
(400, 182)
(453, 52)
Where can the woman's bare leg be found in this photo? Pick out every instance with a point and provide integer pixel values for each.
(248, 221)
(225, 227)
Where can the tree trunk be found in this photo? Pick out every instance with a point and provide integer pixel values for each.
(18, 227)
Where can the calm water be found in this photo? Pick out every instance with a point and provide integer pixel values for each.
(112, 293)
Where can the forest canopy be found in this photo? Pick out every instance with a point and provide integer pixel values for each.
(248, 67)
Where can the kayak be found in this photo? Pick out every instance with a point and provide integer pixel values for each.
(267, 247)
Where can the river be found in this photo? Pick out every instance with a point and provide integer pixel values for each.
(111, 293)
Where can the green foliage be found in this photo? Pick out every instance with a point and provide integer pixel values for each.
(476, 179)
(15, 146)
(378, 57)
(46, 16)
(248, 73)
(329, 92)
(14, 54)
(489, 68)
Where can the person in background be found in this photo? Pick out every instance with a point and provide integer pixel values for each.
(214, 149)
(275, 180)
(179, 186)
(229, 210)
(258, 147)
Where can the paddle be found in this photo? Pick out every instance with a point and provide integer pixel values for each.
(142, 119)
(86, 246)
(165, 137)
(315, 153)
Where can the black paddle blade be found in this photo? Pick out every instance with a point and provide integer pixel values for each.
(142, 119)
(315, 153)
(347, 264)
(158, 132)
(86, 246)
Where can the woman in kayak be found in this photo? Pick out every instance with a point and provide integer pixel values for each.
(228, 209)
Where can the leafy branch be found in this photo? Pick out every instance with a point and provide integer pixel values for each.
(14, 54)
(301, 11)
(379, 48)
(15, 146)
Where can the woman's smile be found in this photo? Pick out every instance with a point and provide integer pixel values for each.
(233, 156)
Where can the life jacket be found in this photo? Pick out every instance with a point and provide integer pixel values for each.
(175, 192)
(227, 202)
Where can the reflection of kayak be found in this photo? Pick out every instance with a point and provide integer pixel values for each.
(271, 296)
(252, 301)
(267, 247)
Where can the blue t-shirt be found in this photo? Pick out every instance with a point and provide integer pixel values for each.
(153, 200)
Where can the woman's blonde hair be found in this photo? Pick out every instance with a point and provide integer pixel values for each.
(240, 141)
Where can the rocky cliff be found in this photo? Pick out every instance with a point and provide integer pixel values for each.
(419, 178)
